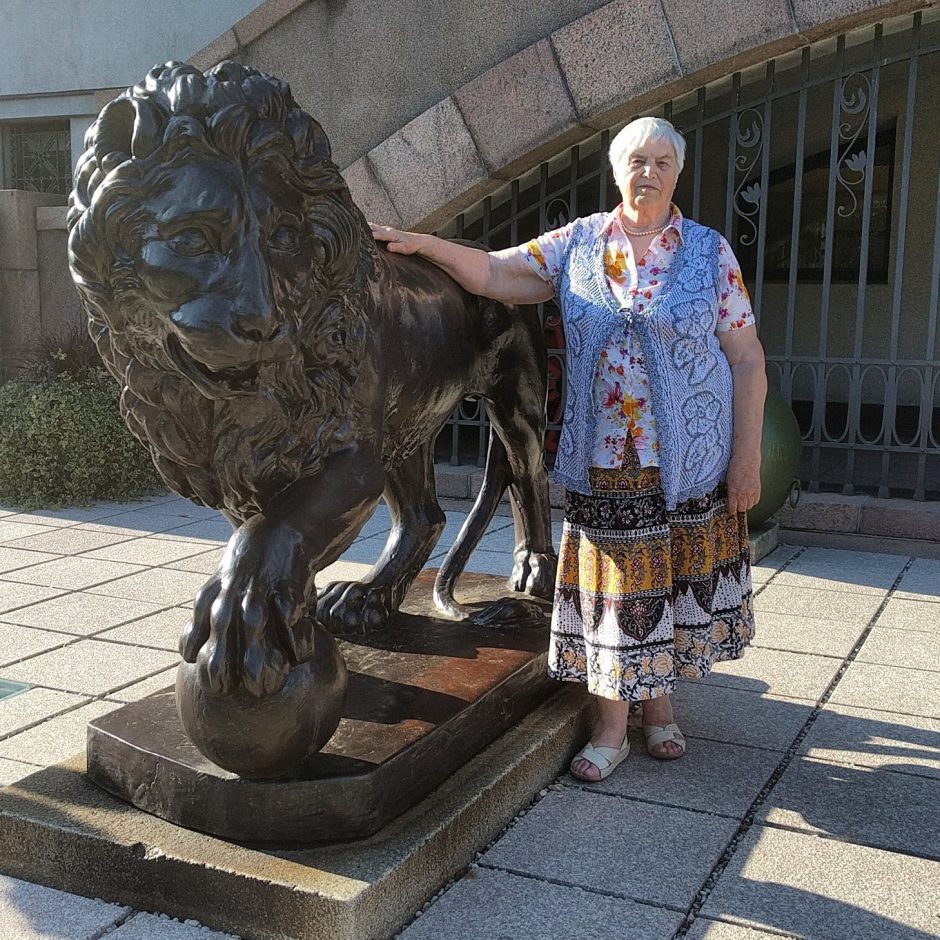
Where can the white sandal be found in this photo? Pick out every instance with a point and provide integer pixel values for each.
(605, 759)
(656, 735)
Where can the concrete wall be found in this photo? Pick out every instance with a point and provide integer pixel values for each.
(37, 298)
(51, 46)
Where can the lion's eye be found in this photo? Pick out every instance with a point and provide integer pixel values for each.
(190, 242)
(285, 238)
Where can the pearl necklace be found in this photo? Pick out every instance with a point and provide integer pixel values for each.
(652, 231)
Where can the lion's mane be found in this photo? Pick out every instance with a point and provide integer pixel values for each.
(228, 451)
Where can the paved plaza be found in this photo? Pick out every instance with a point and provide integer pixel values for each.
(806, 805)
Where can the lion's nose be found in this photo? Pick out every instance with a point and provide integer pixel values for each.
(257, 327)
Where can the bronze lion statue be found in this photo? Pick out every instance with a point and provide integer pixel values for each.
(284, 369)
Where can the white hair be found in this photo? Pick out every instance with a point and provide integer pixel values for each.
(639, 132)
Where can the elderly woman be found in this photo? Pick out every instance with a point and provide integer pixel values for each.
(660, 447)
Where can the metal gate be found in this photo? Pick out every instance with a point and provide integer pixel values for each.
(821, 169)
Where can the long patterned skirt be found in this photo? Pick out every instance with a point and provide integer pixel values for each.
(645, 596)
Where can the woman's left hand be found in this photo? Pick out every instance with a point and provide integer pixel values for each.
(743, 482)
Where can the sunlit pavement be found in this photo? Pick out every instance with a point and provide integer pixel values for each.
(806, 804)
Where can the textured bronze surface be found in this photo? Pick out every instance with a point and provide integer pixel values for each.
(285, 369)
(425, 695)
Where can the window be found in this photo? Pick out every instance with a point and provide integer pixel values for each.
(38, 156)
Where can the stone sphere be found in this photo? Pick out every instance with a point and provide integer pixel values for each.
(266, 737)
(781, 446)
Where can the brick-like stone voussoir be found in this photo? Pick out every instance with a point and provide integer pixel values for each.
(817, 18)
(369, 194)
(431, 165)
(745, 28)
(616, 56)
(520, 111)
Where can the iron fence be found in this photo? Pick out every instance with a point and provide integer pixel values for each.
(821, 169)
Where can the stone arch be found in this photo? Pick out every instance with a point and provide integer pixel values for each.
(553, 94)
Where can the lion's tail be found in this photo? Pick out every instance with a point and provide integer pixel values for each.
(509, 611)
(496, 478)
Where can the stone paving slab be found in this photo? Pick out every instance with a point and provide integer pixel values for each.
(18, 642)
(79, 613)
(802, 635)
(135, 525)
(737, 717)
(803, 885)
(789, 675)
(712, 777)
(910, 691)
(490, 905)
(815, 604)
(134, 693)
(34, 912)
(205, 563)
(148, 551)
(365, 551)
(591, 840)
(161, 927)
(14, 595)
(56, 739)
(916, 616)
(899, 744)
(341, 570)
(896, 648)
(11, 530)
(896, 812)
(161, 586)
(705, 929)
(871, 568)
(67, 541)
(160, 630)
(72, 573)
(920, 582)
(833, 581)
(91, 667)
(34, 705)
(13, 770)
(487, 563)
(13, 558)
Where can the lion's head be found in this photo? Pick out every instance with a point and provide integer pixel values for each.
(223, 267)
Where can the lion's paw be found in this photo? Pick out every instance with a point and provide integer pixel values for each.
(348, 607)
(533, 573)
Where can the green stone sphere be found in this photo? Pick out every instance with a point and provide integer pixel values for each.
(780, 449)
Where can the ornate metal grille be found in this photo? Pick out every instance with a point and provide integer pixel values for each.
(39, 157)
(821, 169)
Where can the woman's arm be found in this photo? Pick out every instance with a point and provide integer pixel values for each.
(746, 357)
(501, 275)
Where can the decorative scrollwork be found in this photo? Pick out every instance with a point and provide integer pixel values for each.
(557, 213)
(855, 110)
(749, 138)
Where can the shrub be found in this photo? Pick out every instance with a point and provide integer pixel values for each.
(62, 440)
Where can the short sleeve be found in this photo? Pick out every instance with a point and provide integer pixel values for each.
(546, 254)
(734, 304)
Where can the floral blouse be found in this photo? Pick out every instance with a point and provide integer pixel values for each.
(621, 384)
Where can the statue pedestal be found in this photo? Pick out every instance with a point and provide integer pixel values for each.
(425, 695)
(59, 829)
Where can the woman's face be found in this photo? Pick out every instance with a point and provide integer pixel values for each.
(650, 177)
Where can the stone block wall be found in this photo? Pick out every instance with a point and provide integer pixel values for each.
(37, 298)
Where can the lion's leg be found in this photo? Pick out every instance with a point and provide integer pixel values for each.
(417, 522)
(518, 415)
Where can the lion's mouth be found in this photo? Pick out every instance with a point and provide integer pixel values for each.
(223, 383)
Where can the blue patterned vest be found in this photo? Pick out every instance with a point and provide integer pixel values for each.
(690, 379)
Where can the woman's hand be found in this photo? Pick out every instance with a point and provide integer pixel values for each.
(743, 482)
(402, 243)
